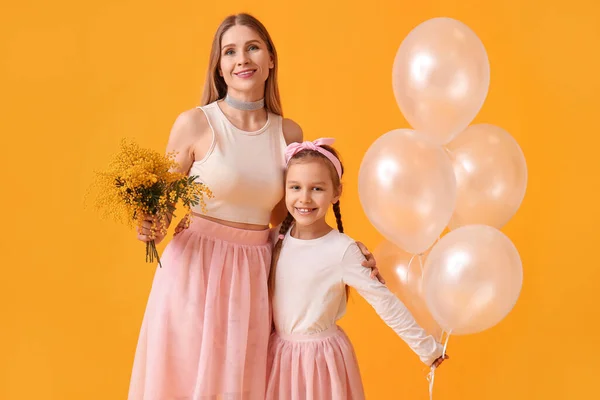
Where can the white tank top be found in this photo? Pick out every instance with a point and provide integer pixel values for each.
(244, 170)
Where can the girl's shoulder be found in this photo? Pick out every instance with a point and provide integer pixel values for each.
(342, 238)
(346, 248)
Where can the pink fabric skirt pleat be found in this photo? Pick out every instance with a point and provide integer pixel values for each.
(205, 331)
(322, 366)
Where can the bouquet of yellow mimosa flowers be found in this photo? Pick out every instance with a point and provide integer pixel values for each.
(141, 184)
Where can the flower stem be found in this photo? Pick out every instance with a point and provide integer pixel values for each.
(152, 253)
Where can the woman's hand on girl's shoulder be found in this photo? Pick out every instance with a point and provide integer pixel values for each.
(370, 262)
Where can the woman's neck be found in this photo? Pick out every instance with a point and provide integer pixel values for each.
(249, 96)
(248, 120)
(241, 106)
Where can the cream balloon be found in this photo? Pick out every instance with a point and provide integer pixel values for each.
(407, 189)
(440, 78)
(403, 276)
(473, 278)
(491, 176)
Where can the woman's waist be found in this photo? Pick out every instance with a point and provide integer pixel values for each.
(210, 228)
(232, 224)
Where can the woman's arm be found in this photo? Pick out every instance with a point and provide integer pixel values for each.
(186, 138)
(190, 139)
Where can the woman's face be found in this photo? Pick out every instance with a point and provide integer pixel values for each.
(245, 62)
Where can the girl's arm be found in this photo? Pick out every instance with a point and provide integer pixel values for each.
(391, 310)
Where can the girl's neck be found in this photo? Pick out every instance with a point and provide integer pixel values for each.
(313, 231)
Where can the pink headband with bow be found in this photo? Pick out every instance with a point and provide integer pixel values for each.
(296, 147)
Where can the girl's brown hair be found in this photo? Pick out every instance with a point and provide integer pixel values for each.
(215, 87)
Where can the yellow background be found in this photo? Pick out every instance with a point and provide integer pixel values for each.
(77, 76)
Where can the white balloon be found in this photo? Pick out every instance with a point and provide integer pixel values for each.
(473, 278)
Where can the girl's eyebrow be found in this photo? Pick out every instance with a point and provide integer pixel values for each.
(312, 183)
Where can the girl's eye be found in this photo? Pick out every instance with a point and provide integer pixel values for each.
(229, 52)
(252, 47)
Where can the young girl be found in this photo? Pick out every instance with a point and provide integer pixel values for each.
(310, 357)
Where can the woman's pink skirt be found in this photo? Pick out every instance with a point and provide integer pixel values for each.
(322, 366)
(205, 331)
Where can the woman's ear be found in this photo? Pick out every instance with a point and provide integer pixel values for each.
(271, 62)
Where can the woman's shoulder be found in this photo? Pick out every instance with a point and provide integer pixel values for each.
(192, 122)
(291, 131)
(192, 116)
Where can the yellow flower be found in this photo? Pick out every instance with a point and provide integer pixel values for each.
(141, 182)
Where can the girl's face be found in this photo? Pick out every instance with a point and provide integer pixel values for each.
(309, 191)
(245, 62)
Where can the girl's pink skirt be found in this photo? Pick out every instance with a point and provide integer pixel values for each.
(322, 366)
(205, 331)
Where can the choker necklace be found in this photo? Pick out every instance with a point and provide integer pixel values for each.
(245, 105)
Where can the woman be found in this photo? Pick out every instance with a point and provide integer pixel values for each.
(207, 323)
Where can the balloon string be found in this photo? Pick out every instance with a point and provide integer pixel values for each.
(420, 256)
(446, 342)
(422, 272)
(408, 266)
(431, 375)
